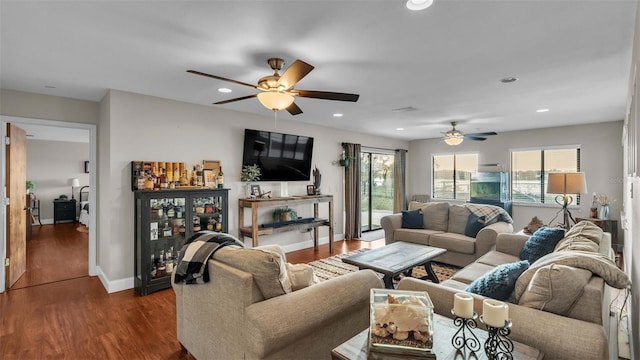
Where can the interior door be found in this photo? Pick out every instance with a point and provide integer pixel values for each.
(17, 193)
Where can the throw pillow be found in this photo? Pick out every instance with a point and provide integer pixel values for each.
(541, 243)
(584, 236)
(475, 223)
(498, 283)
(412, 219)
(555, 288)
(301, 276)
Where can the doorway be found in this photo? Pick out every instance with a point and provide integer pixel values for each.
(376, 188)
(56, 126)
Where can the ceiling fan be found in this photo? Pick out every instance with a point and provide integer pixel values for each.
(277, 92)
(455, 137)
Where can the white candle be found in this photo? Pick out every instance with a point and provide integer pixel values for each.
(494, 312)
(463, 305)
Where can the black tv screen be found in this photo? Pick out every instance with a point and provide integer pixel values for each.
(281, 157)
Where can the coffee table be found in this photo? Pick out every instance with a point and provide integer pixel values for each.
(356, 347)
(397, 258)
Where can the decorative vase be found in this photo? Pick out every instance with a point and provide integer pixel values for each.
(603, 212)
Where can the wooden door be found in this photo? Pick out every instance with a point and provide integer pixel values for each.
(16, 215)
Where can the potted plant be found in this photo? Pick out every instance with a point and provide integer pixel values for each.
(249, 174)
(30, 186)
(284, 214)
(345, 159)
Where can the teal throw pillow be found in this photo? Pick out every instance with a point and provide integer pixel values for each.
(412, 219)
(475, 223)
(541, 243)
(499, 283)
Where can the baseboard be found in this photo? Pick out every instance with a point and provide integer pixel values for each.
(309, 243)
(115, 285)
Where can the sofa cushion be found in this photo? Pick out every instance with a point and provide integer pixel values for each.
(541, 243)
(475, 223)
(472, 272)
(458, 216)
(414, 205)
(417, 236)
(436, 216)
(584, 236)
(499, 283)
(301, 276)
(412, 219)
(555, 288)
(495, 258)
(267, 267)
(453, 242)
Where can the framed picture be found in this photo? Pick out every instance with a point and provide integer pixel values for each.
(209, 178)
(311, 190)
(255, 191)
(213, 165)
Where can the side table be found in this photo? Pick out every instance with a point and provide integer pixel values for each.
(356, 347)
(610, 226)
(64, 210)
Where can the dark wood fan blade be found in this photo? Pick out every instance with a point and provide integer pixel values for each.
(236, 99)
(221, 78)
(326, 95)
(294, 73)
(483, 133)
(293, 109)
(477, 138)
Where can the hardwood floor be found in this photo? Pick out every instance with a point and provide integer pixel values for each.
(78, 319)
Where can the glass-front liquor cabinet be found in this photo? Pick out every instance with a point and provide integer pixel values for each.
(164, 220)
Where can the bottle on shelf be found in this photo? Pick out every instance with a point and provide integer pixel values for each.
(220, 179)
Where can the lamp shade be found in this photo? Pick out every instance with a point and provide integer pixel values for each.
(74, 182)
(274, 100)
(453, 140)
(567, 183)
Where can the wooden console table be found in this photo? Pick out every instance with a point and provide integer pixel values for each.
(254, 230)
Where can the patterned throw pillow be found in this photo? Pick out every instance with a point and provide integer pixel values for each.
(412, 219)
(475, 223)
(498, 283)
(541, 243)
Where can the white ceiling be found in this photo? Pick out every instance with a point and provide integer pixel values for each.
(572, 57)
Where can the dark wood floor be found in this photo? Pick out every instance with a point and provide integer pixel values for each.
(78, 319)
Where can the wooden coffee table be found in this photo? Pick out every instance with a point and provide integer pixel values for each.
(397, 258)
(356, 347)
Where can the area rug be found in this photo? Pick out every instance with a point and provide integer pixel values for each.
(333, 266)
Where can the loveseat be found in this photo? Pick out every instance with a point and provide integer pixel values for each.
(248, 309)
(467, 231)
(557, 306)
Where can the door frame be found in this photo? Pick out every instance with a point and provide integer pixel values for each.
(371, 151)
(93, 151)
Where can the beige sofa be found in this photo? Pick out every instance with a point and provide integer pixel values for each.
(444, 227)
(580, 332)
(246, 312)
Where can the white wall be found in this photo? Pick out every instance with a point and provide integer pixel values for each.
(601, 160)
(49, 165)
(147, 128)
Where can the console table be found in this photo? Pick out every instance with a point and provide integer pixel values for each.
(254, 229)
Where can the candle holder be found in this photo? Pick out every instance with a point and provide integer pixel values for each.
(464, 339)
(498, 345)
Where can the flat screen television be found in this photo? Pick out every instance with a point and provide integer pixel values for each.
(281, 157)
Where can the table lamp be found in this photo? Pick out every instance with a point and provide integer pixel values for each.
(74, 182)
(569, 183)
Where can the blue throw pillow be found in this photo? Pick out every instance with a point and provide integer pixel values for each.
(541, 243)
(475, 223)
(412, 219)
(499, 283)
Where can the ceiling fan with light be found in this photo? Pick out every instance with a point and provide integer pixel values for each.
(277, 92)
(455, 137)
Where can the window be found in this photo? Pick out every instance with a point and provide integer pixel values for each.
(452, 175)
(530, 168)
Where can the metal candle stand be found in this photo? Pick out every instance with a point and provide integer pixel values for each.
(464, 339)
(498, 345)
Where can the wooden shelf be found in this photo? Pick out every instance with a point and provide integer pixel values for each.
(254, 230)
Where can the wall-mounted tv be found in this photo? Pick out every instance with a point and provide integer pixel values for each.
(281, 157)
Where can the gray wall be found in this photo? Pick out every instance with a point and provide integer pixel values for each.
(49, 165)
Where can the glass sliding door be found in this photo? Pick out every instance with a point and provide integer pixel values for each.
(376, 194)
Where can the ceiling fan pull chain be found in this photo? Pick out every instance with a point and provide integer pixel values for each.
(275, 119)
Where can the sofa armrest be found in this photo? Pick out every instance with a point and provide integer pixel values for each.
(486, 238)
(511, 243)
(389, 224)
(275, 323)
(558, 337)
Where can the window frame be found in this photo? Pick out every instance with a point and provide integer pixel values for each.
(543, 173)
(455, 171)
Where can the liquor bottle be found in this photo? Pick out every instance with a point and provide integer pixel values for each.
(176, 172)
(169, 172)
(164, 184)
(220, 179)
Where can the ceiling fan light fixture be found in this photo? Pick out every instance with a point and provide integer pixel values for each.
(417, 5)
(454, 140)
(274, 100)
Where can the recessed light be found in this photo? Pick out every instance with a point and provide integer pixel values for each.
(416, 5)
(509, 79)
(400, 129)
(542, 110)
(338, 115)
(224, 90)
